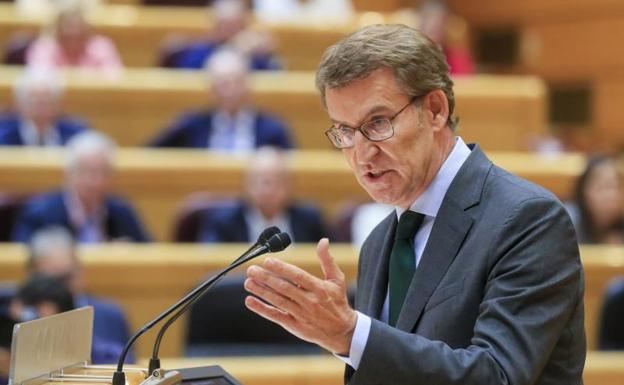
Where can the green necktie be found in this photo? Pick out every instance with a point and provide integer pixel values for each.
(402, 261)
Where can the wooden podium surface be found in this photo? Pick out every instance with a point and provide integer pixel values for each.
(145, 279)
(600, 369)
(157, 181)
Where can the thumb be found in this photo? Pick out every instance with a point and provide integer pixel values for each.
(331, 271)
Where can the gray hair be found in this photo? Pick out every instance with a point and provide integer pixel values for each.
(418, 63)
(36, 78)
(86, 143)
(226, 59)
(49, 238)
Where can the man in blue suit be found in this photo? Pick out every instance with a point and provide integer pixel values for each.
(268, 202)
(52, 252)
(234, 125)
(230, 20)
(85, 206)
(38, 121)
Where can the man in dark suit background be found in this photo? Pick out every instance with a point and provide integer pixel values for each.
(38, 121)
(52, 252)
(234, 125)
(475, 279)
(268, 202)
(85, 206)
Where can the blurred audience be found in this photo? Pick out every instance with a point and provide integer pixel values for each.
(47, 7)
(41, 296)
(52, 252)
(234, 125)
(72, 43)
(610, 331)
(597, 207)
(85, 206)
(38, 120)
(267, 202)
(308, 11)
(231, 28)
(450, 31)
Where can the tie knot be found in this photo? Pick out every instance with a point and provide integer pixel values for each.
(408, 224)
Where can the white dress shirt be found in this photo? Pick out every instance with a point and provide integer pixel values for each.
(30, 135)
(233, 134)
(428, 203)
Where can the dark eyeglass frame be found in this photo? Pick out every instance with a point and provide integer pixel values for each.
(334, 133)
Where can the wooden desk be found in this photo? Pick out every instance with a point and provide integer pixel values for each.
(600, 369)
(157, 181)
(139, 31)
(145, 279)
(499, 112)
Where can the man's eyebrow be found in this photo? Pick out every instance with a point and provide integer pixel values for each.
(370, 114)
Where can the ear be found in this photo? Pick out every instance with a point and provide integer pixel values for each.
(438, 108)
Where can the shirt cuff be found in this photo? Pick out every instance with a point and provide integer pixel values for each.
(358, 342)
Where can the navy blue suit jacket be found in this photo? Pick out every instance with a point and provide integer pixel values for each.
(110, 330)
(194, 56)
(228, 224)
(10, 133)
(49, 209)
(193, 130)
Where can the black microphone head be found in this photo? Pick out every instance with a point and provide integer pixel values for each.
(278, 242)
(266, 234)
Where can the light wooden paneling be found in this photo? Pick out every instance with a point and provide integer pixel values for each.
(499, 112)
(157, 181)
(145, 279)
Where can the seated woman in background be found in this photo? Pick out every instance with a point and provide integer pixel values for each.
(72, 43)
(597, 210)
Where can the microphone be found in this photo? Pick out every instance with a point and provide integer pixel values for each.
(276, 242)
(263, 238)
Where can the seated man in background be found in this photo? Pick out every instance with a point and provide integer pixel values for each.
(85, 205)
(42, 296)
(230, 19)
(268, 202)
(234, 125)
(52, 252)
(38, 121)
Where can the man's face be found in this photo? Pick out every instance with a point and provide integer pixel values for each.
(60, 263)
(41, 106)
(91, 178)
(268, 189)
(230, 88)
(397, 170)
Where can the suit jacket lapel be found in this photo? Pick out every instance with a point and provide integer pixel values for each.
(444, 242)
(449, 231)
(375, 283)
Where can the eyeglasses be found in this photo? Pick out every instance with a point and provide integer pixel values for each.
(375, 130)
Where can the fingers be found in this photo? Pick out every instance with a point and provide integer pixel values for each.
(269, 312)
(294, 274)
(275, 292)
(331, 271)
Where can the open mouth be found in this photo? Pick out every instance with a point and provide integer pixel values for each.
(374, 175)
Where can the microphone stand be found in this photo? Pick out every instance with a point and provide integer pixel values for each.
(277, 242)
(154, 362)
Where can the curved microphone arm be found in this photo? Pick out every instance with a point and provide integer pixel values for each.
(154, 360)
(275, 243)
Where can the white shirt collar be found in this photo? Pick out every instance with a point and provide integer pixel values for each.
(430, 200)
(30, 134)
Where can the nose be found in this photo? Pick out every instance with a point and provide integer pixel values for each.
(365, 149)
